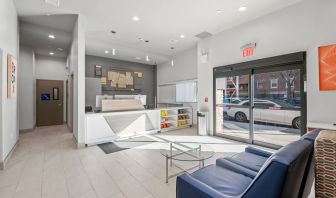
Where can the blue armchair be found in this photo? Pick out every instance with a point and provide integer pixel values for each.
(280, 175)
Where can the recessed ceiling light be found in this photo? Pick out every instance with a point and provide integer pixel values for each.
(113, 32)
(106, 51)
(172, 63)
(51, 53)
(219, 11)
(172, 48)
(136, 18)
(138, 58)
(242, 8)
(113, 52)
(51, 36)
(182, 36)
(60, 49)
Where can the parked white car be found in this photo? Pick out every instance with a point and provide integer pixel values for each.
(266, 111)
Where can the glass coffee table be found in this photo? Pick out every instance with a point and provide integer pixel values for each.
(181, 151)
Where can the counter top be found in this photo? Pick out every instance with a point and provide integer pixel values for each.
(321, 125)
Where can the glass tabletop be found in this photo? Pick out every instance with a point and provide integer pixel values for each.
(186, 151)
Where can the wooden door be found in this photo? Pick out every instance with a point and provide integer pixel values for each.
(49, 102)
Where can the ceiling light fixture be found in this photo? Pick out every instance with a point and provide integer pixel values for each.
(182, 36)
(136, 18)
(113, 52)
(51, 53)
(113, 32)
(60, 49)
(242, 8)
(172, 62)
(219, 11)
(147, 58)
(51, 36)
(106, 51)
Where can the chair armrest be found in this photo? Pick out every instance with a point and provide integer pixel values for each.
(257, 151)
(187, 186)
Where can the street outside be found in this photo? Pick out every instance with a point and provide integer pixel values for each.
(279, 135)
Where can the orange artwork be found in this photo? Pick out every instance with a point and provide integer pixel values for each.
(327, 69)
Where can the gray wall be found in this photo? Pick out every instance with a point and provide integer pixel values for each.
(147, 82)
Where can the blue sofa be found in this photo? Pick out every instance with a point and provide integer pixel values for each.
(253, 173)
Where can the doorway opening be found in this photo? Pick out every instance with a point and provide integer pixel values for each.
(261, 102)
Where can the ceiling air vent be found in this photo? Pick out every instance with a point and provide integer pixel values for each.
(203, 35)
(55, 3)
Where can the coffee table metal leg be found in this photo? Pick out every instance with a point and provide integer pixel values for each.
(166, 169)
(171, 153)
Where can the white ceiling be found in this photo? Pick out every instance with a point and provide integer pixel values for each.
(160, 21)
(34, 32)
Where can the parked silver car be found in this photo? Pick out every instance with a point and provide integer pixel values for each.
(266, 111)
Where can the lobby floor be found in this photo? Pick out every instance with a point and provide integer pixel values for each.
(47, 164)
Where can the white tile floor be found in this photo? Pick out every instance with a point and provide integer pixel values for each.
(47, 164)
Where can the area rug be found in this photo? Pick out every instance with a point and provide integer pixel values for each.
(120, 145)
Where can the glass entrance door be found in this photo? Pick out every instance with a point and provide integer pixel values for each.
(277, 107)
(233, 106)
(260, 106)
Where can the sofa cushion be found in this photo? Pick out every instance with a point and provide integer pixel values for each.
(223, 180)
(247, 160)
(236, 167)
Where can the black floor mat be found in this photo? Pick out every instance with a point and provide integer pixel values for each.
(120, 145)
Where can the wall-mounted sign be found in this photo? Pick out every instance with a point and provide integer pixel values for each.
(248, 49)
(205, 56)
(45, 96)
(11, 76)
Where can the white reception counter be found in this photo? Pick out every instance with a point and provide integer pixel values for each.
(108, 126)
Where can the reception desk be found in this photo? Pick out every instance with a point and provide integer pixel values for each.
(108, 126)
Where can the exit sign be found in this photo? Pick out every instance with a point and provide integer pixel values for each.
(248, 49)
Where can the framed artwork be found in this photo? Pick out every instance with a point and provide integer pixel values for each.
(327, 67)
(11, 76)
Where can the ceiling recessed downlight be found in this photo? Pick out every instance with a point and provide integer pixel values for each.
(182, 36)
(106, 51)
(51, 53)
(242, 8)
(136, 18)
(51, 36)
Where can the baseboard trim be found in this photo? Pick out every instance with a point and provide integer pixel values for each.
(27, 130)
(4, 163)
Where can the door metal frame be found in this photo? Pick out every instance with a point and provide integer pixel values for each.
(277, 63)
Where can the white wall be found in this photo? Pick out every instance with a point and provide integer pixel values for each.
(52, 68)
(302, 27)
(185, 68)
(9, 132)
(77, 68)
(26, 88)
